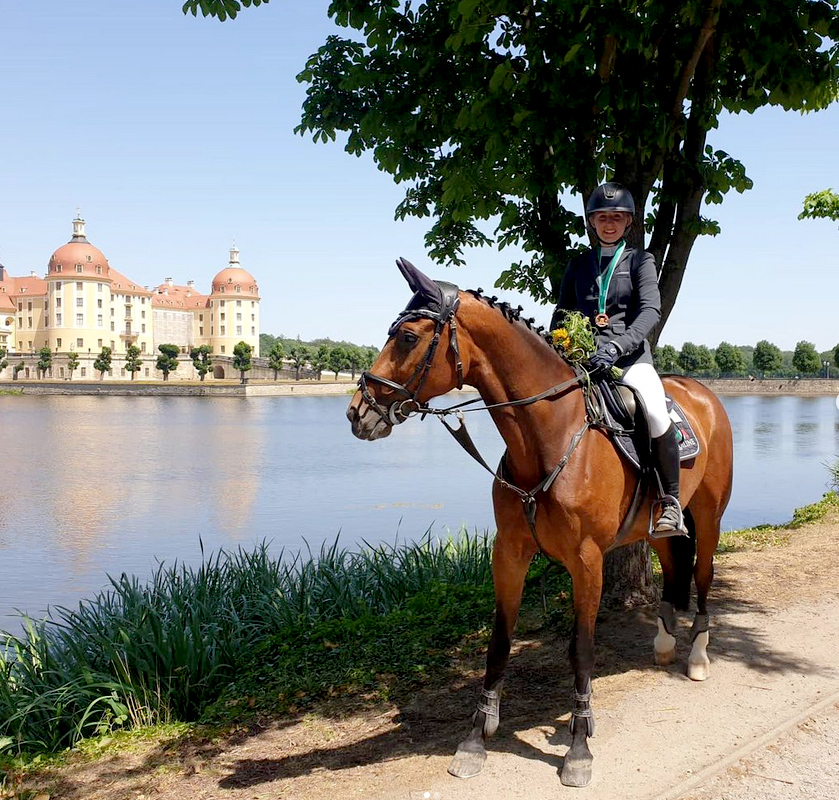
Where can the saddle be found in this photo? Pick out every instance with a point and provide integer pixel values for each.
(624, 416)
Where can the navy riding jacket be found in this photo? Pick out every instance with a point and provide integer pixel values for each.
(633, 302)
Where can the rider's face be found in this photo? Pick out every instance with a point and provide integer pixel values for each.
(610, 225)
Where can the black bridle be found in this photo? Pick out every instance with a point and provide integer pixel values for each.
(400, 410)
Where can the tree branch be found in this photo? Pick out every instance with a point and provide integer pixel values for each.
(709, 25)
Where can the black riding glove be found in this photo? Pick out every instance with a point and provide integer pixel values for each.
(605, 357)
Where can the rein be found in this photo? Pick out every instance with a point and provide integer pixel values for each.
(401, 410)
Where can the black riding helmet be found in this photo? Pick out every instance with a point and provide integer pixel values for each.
(610, 197)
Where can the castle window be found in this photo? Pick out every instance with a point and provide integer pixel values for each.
(58, 286)
(238, 330)
(79, 320)
(58, 342)
(78, 267)
(80, 302)
(79, 286)
(79, 343)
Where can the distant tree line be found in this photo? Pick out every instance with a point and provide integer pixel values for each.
(764, 360)
(319, 356)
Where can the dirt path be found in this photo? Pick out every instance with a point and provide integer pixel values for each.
(766, 721)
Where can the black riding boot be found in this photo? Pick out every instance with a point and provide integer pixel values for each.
(665, 451)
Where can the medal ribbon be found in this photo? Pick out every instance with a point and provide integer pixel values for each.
(603, 284)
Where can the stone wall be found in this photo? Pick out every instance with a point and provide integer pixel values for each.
(777, 386)
(175, 389)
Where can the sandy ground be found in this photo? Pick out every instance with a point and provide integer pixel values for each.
(765, 724)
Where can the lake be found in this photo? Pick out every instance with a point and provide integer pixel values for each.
(102, 485)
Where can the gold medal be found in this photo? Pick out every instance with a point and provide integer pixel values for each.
(601, 320)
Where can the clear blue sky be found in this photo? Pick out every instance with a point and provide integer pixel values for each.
(174, 136)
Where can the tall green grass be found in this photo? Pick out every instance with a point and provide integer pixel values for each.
(164, 650)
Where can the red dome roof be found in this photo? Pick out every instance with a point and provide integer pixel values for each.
(67, 259)
(230, 277)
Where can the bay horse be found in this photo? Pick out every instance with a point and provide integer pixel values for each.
(446, 338)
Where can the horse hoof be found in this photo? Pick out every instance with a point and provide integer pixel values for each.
(576, 772)
(699, 670)
(699, 667)
(468, 761)
(664, 646)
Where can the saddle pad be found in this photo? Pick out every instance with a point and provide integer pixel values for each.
(686, 437)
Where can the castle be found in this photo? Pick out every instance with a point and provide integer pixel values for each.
(83, 304)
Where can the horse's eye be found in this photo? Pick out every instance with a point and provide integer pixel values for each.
(407, 338)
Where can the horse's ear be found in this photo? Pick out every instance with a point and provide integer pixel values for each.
(419, 282)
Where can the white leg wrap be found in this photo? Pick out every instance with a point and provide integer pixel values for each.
(664, 645)
(699, 666)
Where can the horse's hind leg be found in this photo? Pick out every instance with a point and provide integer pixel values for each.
(676, 555)
(510, 559)
(707, 526)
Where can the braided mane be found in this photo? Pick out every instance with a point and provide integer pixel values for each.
(512, 314)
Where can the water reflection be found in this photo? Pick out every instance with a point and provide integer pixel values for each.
(97, 485)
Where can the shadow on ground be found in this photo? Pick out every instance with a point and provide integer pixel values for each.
(432, 722)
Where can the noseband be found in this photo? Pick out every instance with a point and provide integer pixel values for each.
(400, 410)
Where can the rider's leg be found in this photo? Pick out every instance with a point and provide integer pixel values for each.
(665, 449)
(666, 456)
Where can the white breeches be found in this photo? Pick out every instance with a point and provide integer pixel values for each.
(644, 379)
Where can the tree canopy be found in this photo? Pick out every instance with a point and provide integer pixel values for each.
(242, 358)
(806, 358)
(103, 362)
(821, 205)
(167, 361)
(501, 116)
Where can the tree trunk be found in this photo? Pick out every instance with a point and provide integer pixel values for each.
(628, 577)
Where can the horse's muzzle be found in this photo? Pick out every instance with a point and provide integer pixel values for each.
(367, 424)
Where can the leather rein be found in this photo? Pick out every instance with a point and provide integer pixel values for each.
(401, 410)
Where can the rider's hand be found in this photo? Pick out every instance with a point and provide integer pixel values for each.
(605, 357)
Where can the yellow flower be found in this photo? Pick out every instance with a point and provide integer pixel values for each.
(560, 337)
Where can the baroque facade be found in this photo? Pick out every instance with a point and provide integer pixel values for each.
(83, 304)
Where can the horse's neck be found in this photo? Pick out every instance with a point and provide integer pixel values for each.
(511, 362)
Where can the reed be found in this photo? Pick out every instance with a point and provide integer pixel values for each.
(163, 650)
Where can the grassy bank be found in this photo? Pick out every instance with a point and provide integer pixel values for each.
(248, 634)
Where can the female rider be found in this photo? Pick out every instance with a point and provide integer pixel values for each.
(616, 287)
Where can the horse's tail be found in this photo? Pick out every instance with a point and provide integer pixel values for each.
(683, 550)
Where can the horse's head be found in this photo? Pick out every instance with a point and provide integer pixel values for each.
(410, 370)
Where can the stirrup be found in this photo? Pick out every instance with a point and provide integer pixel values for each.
(679, 529)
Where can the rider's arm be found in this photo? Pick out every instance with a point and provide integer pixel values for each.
(645, 287)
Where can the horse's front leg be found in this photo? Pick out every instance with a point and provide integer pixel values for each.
(587, 576)
(510, 559)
